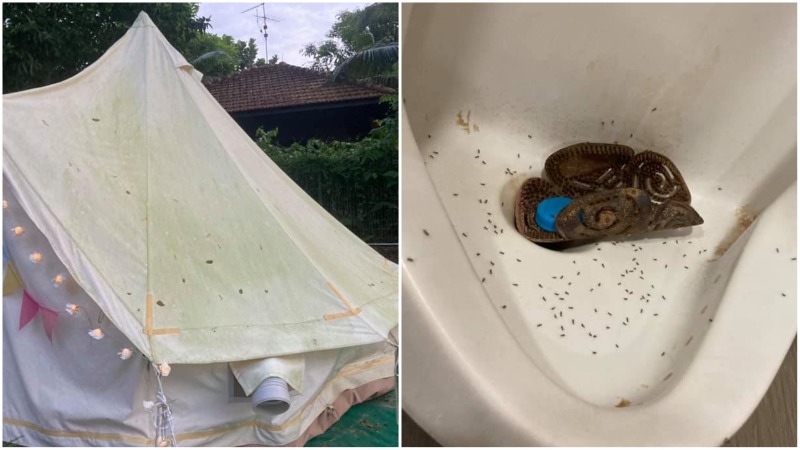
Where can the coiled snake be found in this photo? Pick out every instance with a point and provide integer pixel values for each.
(614, 192)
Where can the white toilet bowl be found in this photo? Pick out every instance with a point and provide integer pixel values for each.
(663, 339)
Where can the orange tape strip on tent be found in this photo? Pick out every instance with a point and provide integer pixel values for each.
(148, 321)
(350, 310)
(385, 267)
(108, 437)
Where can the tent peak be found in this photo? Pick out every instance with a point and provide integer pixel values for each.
(143, 20)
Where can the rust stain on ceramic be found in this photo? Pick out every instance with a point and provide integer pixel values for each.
(461, 122)
(624, 403)
(744, 219)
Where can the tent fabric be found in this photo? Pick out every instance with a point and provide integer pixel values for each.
(192, 241)
(76, 391)
(98, 401)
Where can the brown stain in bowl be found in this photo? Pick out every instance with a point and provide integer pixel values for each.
(624, 403)
(463, 124)
(744, 219)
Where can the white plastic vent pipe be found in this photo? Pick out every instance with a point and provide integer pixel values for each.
(272, 395)
(271, 382)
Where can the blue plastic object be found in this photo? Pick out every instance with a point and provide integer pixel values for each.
(547, 211)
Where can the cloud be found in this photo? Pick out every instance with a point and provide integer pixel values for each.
(300, 23)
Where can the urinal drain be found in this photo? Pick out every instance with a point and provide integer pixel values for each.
(603, 190)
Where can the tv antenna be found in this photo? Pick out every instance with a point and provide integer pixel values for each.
(262, 20)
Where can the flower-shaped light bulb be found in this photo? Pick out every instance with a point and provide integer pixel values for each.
(125, 353)
(58, 280)
(165, 369)
(5, 204)
(72, 309)
(35, 257)
(18, 231)
(97, 333)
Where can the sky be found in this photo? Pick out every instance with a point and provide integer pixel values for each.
(300, 24)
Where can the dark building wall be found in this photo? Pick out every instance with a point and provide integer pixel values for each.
(343, 122)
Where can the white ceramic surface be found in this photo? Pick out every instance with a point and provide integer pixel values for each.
(686, 327)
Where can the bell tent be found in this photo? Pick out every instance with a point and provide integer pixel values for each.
(165, 283)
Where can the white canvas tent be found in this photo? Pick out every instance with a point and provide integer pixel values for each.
(178, 238)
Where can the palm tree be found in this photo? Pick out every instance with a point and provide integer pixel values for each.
(374, 65)
(369, 52)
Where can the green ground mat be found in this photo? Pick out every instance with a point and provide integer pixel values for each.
(369, 424)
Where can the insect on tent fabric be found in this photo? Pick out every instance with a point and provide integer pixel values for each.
(191, 242)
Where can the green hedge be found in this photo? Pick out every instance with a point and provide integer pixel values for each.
(356, 182)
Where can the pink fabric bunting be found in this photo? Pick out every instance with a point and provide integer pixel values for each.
(29, 309)
(49, 319)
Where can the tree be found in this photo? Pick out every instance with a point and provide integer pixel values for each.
(213, 55)
(326, 55)
(360, 29)
(247, 53)
(263, 62)
(44, 43)
(375, 65)
(356, 181)
(217, 56)
(361, 46)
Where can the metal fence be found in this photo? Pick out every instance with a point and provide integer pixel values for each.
(370, 211)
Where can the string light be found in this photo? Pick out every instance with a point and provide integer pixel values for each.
(58, 280)
(73, 309)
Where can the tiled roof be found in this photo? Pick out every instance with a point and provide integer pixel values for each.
(282, 85)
